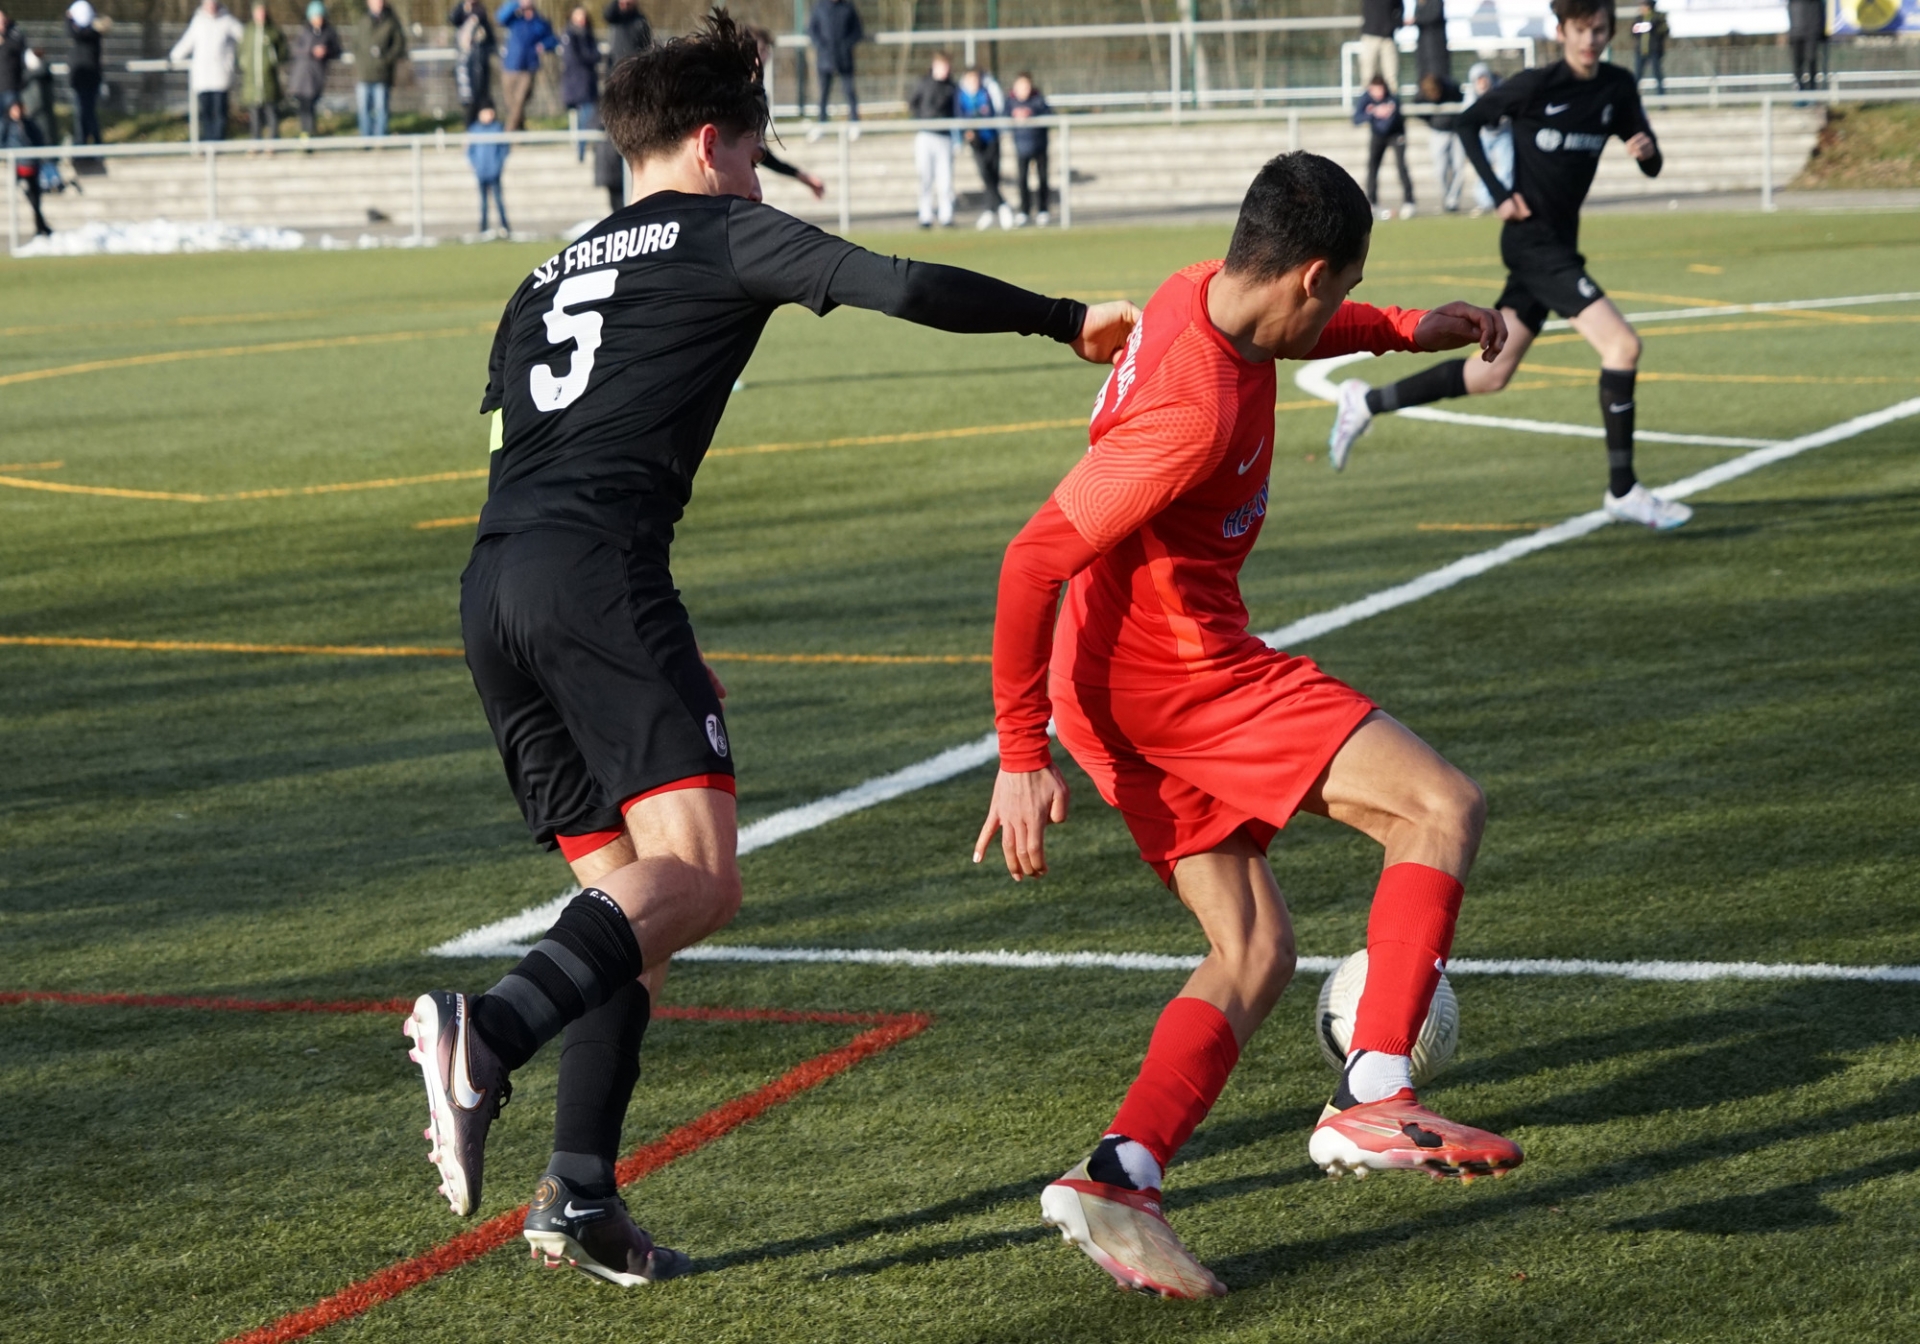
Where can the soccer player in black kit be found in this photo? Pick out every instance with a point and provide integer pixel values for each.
(1563, 115)
(609, 372)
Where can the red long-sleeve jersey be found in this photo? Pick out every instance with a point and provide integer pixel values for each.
(1150, 529)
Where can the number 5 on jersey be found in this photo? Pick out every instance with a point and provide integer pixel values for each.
(583, 329)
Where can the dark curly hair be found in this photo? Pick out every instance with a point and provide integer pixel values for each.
(1583, 10)
(655, 99)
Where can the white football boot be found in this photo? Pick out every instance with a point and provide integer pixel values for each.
(1640, 505)
(1351, 419)
(1124, 1232)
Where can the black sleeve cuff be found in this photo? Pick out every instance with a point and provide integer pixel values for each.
(1065, 320)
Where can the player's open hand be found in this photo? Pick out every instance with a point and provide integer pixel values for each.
(1641, 147)
(1453, 325)
(1103, 336)
(1024, 802)
(1514, 207)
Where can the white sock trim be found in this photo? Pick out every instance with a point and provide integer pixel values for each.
(1373, 1075)
(1140, 1165)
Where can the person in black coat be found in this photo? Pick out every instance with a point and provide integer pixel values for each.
(627, 30)
(85, 28)
(1431, 56)
(834, 29)
(1807, 33)
(19, 132)
(13, 61)
(580, 72)
(476, 42)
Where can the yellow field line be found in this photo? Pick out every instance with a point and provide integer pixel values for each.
(340, 487)
(429, 524)
(1797, 320)
(916, 436)
(1647, 377)
(447, 651)
(230, 351)
(31, 466)
(55, 487)
(239, 319)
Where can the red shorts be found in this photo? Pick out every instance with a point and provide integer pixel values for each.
(1192, 761)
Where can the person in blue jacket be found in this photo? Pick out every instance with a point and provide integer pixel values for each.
(1378, 109)
(487, 151)
(979, 96)
(528, 34)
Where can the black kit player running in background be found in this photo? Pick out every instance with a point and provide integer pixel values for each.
(1563, 115)
(609, 372)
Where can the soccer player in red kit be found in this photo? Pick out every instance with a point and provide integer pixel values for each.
(1206, 739)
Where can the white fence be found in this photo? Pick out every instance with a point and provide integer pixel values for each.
(290, 157)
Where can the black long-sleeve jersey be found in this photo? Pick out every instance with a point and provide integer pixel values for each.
(1560, 125)
(614, 359)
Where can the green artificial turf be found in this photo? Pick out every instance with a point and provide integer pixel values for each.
(1696, 746)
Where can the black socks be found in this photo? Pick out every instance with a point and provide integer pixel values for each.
(599, 1064)
(586, 957)
(1443, 380)
(1616, 413)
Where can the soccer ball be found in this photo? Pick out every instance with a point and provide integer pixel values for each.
(1340, 1000)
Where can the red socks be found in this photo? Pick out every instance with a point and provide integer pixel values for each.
(1409, 934)
(1188, 1061)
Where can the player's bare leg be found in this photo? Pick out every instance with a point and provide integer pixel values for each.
(1428, 816)
(1109, 1205)
(1482, 377)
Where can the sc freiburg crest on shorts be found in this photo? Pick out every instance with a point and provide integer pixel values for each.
(717, 734)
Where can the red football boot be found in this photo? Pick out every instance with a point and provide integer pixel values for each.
(1399, 1134)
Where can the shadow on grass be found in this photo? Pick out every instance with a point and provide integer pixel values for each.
(1784, 1209)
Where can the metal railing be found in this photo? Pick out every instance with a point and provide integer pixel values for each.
(415, 146)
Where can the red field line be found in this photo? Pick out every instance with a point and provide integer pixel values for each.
(886, 1031)
(672, 1012)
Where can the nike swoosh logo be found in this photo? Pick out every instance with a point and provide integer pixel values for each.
(1553, 111)
(464, 1095)
(572, 1212)
(1620, 409)
(1242, 469)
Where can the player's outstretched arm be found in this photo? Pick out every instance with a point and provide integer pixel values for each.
(1024, 803)
(1453, 325)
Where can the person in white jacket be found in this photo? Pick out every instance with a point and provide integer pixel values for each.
(212, 45)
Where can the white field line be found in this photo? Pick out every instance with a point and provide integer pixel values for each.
(508, 937)
(1735, 309)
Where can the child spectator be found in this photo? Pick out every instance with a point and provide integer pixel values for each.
(487, 152)
(1449, 159)
(979, 96)
(1496, 140)
(264, 53)
(579, 74)
(1029, 147)
(315, 46)
(1379, 110)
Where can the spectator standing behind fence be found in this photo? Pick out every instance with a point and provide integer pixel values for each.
(210, 46)
(1449, 159)
(1430, 53)
(1650, 43)
(37, 98)
(834, 29)
(19, 132)
(1496, 140)
(1807, 32)
(528, 34)
(474, 45)
(628, 32)
(487, 152)
(1379, 20)
(579, 74)
(85, 28)
(932, 100)
(769, 161)
(980, 96)
(1029, 148)
(13, 61)
(1378, 109)
(379, 45)
(264, 53)
(315, 46)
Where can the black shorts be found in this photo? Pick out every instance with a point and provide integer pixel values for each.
(1545, 275)
(589, 675)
